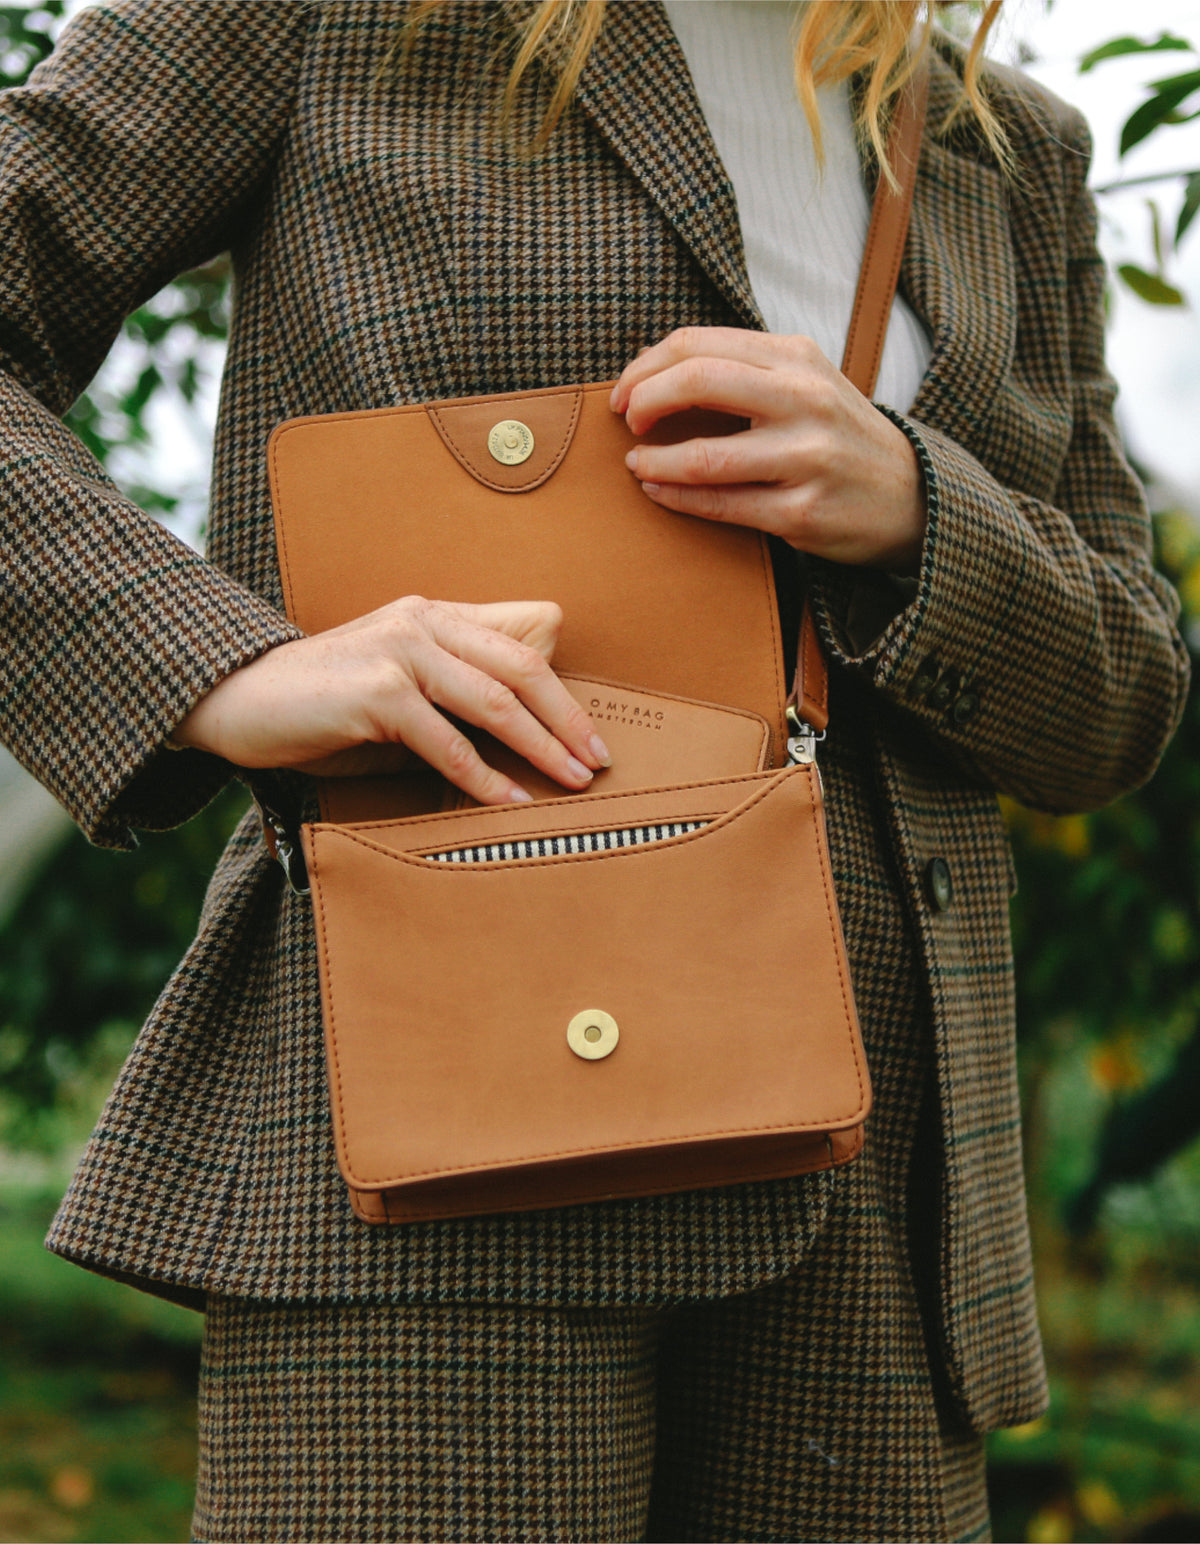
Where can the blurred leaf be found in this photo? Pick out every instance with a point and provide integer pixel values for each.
(1162, 107)
(1191, 203)
(189, 380)
(1131, 45)
(1156, 235)
(26, 37)
(1150, 286)
(123, 921)
(1052, 1525)
(148, 382)
(1189, 79)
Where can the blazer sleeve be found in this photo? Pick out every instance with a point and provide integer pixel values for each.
(1040, 649)
(130, 156)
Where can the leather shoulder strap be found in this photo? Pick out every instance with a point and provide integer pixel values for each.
(886, 236)
(877, 278)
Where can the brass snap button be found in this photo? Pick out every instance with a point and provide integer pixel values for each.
(510, 442)
(593, 1034)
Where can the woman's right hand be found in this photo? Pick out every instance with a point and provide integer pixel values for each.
(360, 699)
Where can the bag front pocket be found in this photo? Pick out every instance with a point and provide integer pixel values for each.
(458, 952)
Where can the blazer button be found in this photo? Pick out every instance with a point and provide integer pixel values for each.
(927, 673)
(964, 708)
(944, 692)
(938, 885)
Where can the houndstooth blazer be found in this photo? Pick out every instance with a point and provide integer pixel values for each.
(389, 246)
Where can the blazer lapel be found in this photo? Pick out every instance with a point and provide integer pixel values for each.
(637, 92)
(958, 274)
(957, 271)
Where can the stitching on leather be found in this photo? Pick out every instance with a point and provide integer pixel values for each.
(280, 533)
(323, 936)
(772, 609)
(835, 923)
(718, 823)
(291, 426)
(497, 487)
(331, 1046)
(827, 1123)
(822, 696)
(403, 1210)
(909, 149)
(430, 821)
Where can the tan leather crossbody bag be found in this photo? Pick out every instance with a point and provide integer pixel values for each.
(637, 989)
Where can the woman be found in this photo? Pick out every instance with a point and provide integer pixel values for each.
(807, 1358)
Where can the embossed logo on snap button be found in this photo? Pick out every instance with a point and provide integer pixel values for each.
(593, 1034)
(510, 442)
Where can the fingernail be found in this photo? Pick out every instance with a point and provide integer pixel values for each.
(600, 751)
(651, 488)
(578, 769)
(612, 398)
(631, 460)
(520, 796)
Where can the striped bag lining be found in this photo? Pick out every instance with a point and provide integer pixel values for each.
(561, 846)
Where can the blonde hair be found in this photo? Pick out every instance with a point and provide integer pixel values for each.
(837, 39)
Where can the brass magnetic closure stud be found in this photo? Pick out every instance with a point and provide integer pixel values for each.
(510, 442)
(593, 1034)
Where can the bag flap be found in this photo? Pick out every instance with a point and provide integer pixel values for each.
(376, 505)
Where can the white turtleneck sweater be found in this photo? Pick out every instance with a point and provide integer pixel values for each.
(803, 228)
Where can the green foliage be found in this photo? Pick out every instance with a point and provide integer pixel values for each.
(162, 354)
(1116, 48)
(1163, 106)
(97, 1404)
(165, 337)
(26, 37)
(1190, 205)
(1117, 1456)
(83, 958)
(1151, 287)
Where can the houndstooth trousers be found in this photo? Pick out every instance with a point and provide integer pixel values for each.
(755, 1417)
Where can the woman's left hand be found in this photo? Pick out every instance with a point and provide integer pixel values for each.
(818, 465)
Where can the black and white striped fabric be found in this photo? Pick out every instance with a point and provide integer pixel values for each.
(560, 846)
